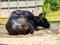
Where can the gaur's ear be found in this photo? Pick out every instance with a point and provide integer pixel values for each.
(43, 14)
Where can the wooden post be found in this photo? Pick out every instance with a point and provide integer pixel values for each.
(26, 4)
(8, 9)
(18, 4)
(36, 7)
(0, 8)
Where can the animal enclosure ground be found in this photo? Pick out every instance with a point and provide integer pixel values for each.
(42, 37)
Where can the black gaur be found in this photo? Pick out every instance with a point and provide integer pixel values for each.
(23, 22)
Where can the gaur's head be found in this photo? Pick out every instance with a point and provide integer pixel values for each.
(42, 21)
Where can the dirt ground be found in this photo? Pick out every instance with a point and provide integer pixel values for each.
(42, 37)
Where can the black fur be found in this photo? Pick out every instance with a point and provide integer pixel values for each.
(32, 21)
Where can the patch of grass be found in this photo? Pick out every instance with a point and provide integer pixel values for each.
(53, 16)
(3, 21)
(54, 21)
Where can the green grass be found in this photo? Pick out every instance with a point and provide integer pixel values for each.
(3, 21)
(52, 18)
(54, 21)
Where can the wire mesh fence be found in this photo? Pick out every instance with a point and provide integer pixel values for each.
(7, 6)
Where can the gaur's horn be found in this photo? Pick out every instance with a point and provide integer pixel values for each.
(43, 14)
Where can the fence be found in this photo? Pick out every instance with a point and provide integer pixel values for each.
(7, 6)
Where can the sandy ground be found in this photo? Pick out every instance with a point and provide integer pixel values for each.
(42, 37)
